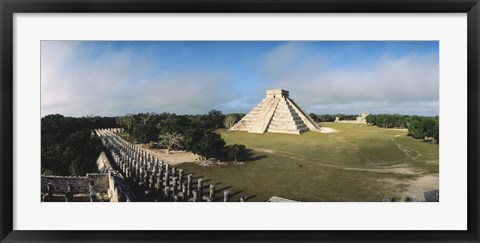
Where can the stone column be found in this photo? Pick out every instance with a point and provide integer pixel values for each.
(155, 169)
(200, 189)
(167, 192)
(212, 192)
(148, 195)
(167, 178)
(184, 194)
(128, 173)
(141, 187)
(159, 185)
(153, 180)
(93, 196)
(69, 194)
(90, 186)
(189, 185)
(243, 198)
(174, 185)
(137, 170)
(146, 179)
(226, 196)
(195, 195)
(174, 171)
(180, 179)
(50, 192)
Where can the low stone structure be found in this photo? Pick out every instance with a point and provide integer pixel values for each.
(359, 119)
(276, 113)
(279, 199)
(127, 173)
(107, 186)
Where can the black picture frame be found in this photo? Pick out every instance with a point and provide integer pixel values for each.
(9, 7)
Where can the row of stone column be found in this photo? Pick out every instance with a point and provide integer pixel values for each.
(152, 179)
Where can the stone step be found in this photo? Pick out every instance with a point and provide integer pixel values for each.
(286, 116)
(288, 126)
(291, 131)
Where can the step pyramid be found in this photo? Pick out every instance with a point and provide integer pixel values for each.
(276, 113)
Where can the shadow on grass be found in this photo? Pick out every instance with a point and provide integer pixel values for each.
(259, 157)
(222, 189)
(248, 156)
(235, 193)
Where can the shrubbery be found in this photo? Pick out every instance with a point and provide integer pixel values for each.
(68, 148)
(197, 131)
(418, 126)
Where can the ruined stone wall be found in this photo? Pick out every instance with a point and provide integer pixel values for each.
(79, 183)
(118, 191)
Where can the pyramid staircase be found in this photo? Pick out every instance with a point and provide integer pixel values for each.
(277, 114)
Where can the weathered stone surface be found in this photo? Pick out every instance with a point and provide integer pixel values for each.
(189, 185)
(200, 188)
(212, 191)
(226, 196)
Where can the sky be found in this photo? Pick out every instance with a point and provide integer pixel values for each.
(114, 78)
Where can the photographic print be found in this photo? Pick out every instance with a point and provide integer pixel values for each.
(240, 121)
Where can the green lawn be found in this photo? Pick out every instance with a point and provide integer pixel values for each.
(355, 164)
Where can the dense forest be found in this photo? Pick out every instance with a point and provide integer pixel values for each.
(331, 118)
(68, 147)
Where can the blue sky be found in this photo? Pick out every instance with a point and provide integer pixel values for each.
(112, 78)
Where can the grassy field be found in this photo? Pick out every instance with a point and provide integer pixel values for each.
(357, 163)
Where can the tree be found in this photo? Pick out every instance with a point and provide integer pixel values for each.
(169, 140)
(236, 150)
(68, 148)
(127, 122)
(214, 119)
(229, 121)
(429, 127)
(210, 145)
(436, 134)
(415, 129)
(313, 116)
(144, 133)
(145, 118)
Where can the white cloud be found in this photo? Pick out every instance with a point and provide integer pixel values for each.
(110, 84)
(79, 80)
(408, 84)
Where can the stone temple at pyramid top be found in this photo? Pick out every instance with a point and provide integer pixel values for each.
(277, 93)
(276, 113)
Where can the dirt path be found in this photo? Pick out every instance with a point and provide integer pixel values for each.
(328, 130)
(416, 187)
(410, 153)
(421, 185)
(397, 169)
(176, 157)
